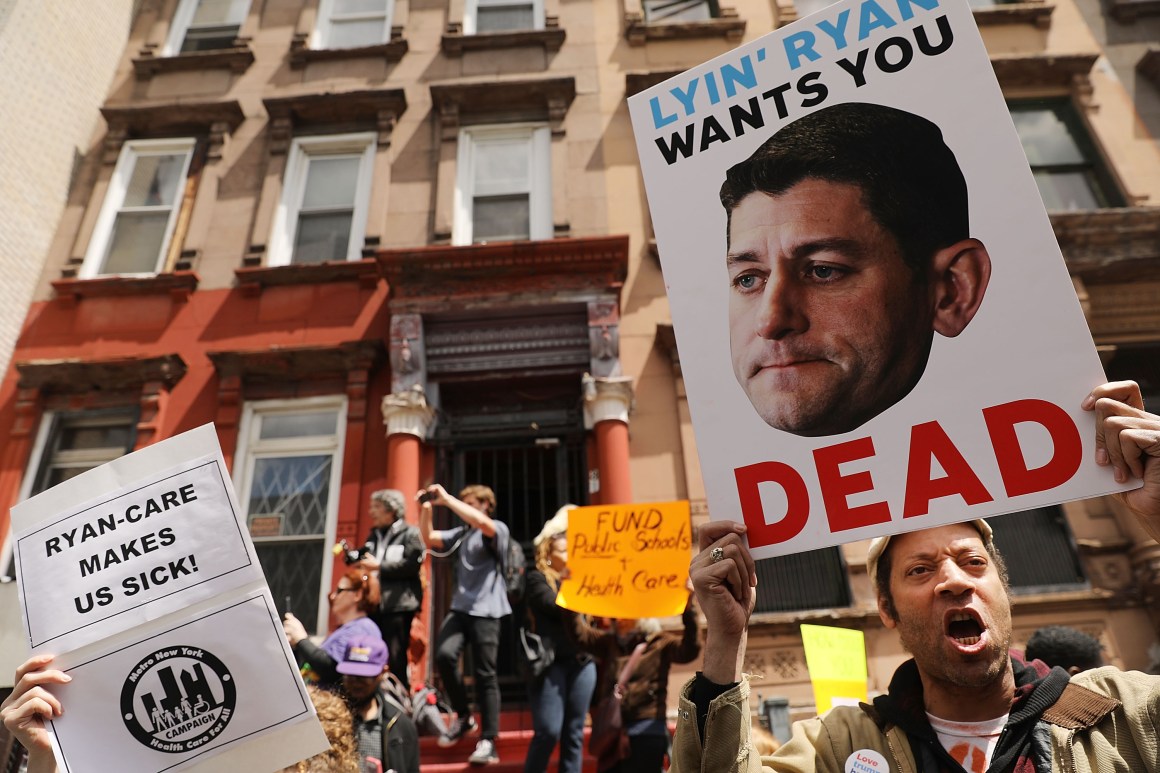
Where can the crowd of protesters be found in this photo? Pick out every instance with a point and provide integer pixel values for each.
(964, 697)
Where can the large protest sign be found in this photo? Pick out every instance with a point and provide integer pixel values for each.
(836, 660)
(878, 330)
(140, 577)
(628, 561)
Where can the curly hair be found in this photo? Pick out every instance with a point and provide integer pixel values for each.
(342, 756)
(1059, 645)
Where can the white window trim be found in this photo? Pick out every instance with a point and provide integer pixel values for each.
(182, 18)
(321, 38)
(469, 15)
(244, 467)
(294, 186)
(115, 197)
(540, 203)
(36, 458)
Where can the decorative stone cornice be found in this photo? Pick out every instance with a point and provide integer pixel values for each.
(408, 413)
(636, 82)
(170, 119)
(1149, 65)
(75, 376)
(1110, 245)
(1127, 11)
(1070, 71)
(1036, 13)
(464, 102)
(298, 364)
(606, 399)
(372, 108)
(503, 269)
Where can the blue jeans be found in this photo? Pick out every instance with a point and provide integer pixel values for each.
(559, 705)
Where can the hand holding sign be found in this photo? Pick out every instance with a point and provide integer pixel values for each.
(724, 579)
(25, 710)
(1128, 439)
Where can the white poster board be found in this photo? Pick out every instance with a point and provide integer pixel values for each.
(883, 335)
(140, 577)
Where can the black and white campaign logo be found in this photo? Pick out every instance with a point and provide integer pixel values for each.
(178, 699)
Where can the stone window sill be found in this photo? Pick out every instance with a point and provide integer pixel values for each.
(1035, 14)
(253, 280)
(178, 285)
(392, 51)
(236, 59)
(454, 42)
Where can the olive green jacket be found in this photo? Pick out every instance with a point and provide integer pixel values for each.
(1106, 720)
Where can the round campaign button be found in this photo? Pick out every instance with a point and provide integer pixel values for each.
(866, 761)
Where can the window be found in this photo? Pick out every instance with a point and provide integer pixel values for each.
(136, 222)
(812, 580)
(503, 16)
(71, 443)
(206, 25)
(1039, 551)
(668, 11)
(504, 190)
(1062, 156)
(353, 23)
(323, 212)
(291, 459)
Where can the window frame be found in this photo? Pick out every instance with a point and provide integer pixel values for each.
(250, 448)
(713, 6)
(285, 227)
(539, 140)
(183, 20)
(1104, 190)
(51, 422)
(470, 16)
(131, 152)
(323, 28)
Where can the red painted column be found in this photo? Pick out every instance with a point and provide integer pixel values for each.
(607, 402)
(407, 418)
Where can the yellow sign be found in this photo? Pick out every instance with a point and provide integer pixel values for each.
(836, 658)
(628, 561)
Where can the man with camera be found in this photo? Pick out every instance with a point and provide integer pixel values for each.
(395, 550)
(479, 601)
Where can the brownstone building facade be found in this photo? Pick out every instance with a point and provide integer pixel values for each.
(387, 242)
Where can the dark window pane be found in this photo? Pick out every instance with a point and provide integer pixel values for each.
(1067, 168)
(498, 218)
(322, 236)
(1037, 547)
(296, 488)
(135, 244)
(502, 18)
(661, 11)
(210, 38)
(812, 580)
(294, 570)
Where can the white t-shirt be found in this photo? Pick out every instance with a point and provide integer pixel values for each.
(970, 744)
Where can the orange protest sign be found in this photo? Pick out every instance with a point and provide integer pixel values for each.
(628, 561)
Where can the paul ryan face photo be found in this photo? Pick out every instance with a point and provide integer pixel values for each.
(848, 249)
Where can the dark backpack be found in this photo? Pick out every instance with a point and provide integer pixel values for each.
(513, 567)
